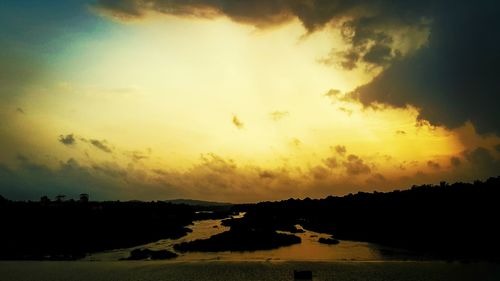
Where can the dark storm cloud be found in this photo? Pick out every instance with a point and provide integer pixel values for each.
(123, 8)
(366, 27)
(482, 162)
(452, 79)
(480, 156)
(349, 59)
(258, 12)
(68, 139)
(378, 54)
(313, 14)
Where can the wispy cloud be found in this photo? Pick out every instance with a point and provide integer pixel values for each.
(101, 144)
(236, 122)
(356, 166)
(68, 139)
(340, 149)
(278, 115)
(433, 165)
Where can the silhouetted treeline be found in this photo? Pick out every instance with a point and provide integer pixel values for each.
(71, 229)
(451, 221)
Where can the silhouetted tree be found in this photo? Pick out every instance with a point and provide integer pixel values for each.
(84, 198)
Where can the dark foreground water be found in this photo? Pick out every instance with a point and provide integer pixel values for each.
(245, 270)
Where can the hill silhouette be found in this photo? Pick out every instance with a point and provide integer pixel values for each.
(200, 203)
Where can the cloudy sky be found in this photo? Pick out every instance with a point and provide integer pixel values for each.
(243, 101)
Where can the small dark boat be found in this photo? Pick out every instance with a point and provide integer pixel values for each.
(302, 275)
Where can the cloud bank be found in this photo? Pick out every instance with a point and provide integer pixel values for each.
(214, 177)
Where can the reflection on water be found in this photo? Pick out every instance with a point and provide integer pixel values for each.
(308, 250)
(201, 230)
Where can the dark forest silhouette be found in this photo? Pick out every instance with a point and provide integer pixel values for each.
(66, 230)
(448, 221)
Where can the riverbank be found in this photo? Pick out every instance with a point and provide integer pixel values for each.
(70, 230)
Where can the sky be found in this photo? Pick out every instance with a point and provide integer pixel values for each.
(244, 101)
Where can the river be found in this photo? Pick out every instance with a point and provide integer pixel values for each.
(308, 250)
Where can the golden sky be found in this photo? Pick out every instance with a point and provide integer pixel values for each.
(166, 106)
